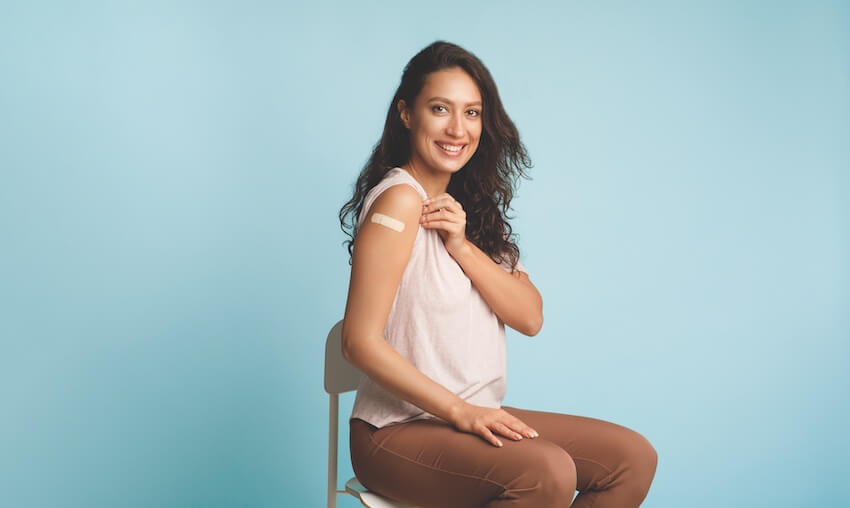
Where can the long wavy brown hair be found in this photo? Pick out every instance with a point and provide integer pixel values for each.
(484, 186)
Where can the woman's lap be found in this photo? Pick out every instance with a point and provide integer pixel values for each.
(431, 463)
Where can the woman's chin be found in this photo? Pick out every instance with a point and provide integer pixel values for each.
(452, 166)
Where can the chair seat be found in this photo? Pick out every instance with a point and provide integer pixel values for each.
(370, 499)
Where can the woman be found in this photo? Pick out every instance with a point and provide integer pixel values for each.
(434, 279)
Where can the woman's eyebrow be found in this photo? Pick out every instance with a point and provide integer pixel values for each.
(443, 99)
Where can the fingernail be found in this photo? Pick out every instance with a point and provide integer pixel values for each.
(534, 433)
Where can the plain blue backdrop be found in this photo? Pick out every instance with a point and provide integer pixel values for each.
(171, 257)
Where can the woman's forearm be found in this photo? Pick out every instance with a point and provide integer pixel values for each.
(384, 365)
(515, 301)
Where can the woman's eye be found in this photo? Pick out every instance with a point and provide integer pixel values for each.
(439, 109)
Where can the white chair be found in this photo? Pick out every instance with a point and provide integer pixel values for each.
(341, 377)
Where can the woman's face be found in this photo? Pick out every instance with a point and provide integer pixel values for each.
(444, 121)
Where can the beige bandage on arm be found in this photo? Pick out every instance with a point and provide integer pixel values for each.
(386, 220)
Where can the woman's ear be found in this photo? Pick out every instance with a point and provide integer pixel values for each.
(404, 113)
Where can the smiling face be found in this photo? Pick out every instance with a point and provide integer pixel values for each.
(444, 122)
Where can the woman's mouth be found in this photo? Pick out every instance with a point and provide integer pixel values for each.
(450, 150)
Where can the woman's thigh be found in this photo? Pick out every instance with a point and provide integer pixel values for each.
(604, 453)
(430, 463)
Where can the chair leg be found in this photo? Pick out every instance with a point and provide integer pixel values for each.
(333, 441)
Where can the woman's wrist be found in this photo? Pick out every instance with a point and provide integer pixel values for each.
(456, 409)
(463, 251)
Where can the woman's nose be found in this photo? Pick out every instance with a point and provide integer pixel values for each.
(456, 126)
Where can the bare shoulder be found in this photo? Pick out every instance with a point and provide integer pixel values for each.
(400, 195)
(400, 201)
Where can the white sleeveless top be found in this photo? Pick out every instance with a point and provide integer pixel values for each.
(440, 323)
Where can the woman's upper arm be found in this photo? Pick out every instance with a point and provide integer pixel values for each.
(379, 257)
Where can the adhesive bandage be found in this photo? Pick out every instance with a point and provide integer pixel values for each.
(385, 220)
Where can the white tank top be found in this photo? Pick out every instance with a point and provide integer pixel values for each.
(440, 323)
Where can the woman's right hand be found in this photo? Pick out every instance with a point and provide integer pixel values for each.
(486, 420)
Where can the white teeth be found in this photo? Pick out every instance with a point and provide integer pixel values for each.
(450, 148)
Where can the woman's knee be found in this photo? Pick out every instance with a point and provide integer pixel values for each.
(642, 461)
(557, 476)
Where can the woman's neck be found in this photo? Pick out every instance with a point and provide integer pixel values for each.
(433, 183)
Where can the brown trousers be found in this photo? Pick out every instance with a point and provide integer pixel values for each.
(429, 463)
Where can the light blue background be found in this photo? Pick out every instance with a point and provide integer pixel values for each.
(171, 258)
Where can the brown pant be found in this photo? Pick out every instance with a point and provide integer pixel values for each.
(429, 463)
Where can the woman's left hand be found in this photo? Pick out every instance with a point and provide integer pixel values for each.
(445, 215)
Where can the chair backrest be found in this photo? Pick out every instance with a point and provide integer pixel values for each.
(340, 376)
